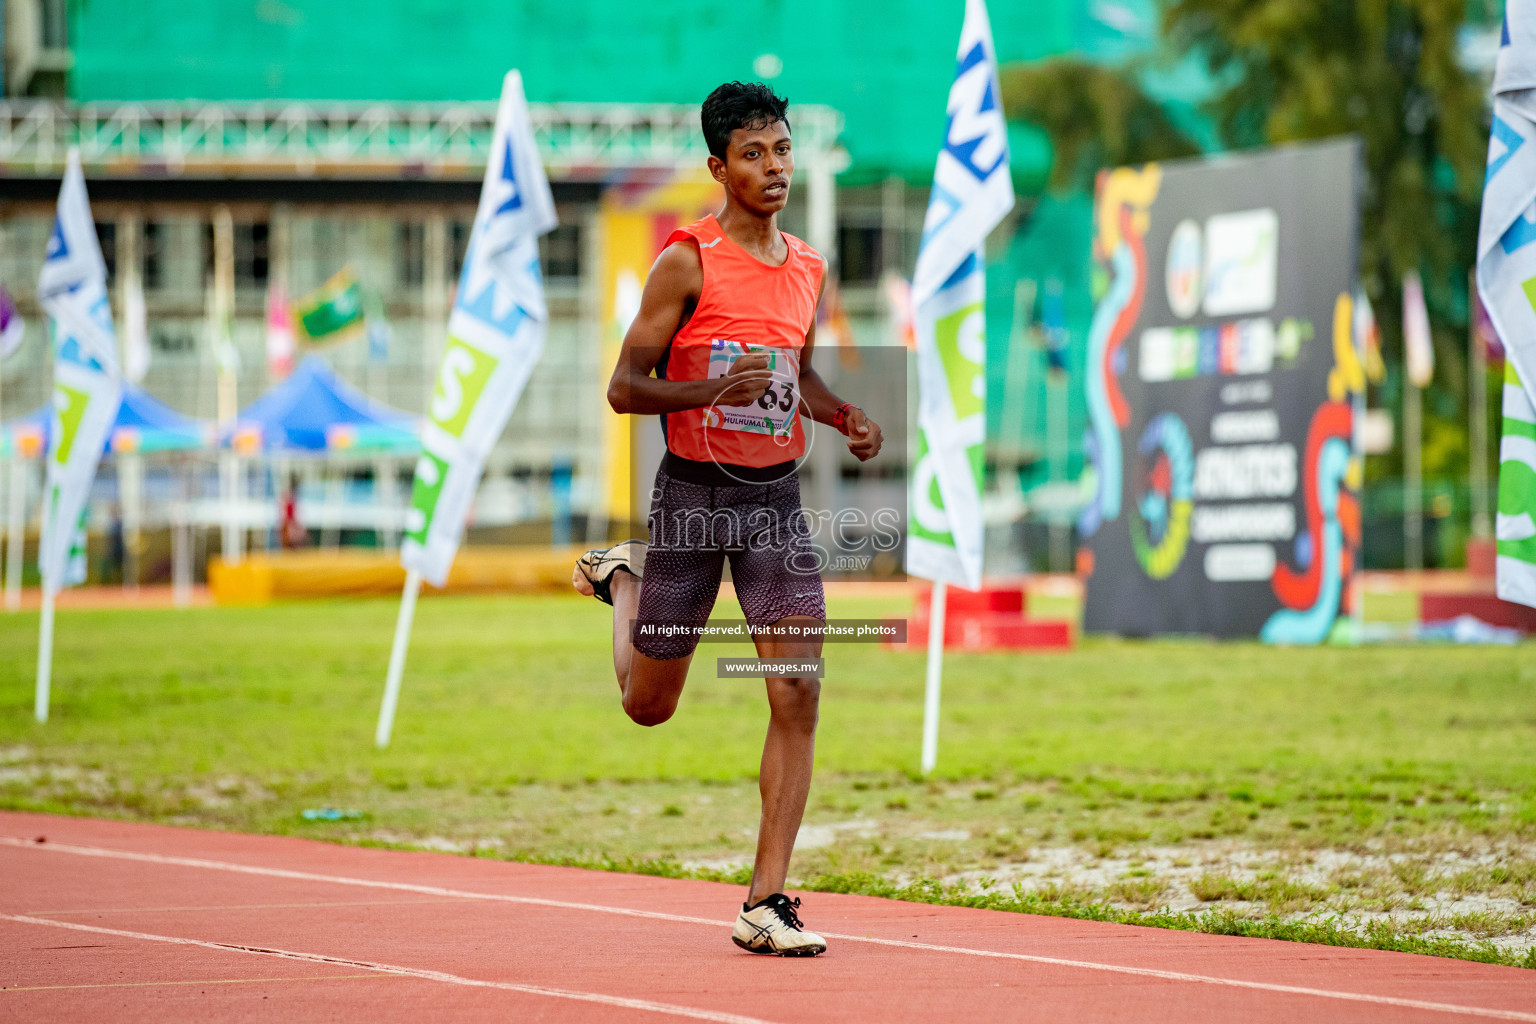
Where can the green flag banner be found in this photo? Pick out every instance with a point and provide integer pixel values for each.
(1517, 493)
(332, 312)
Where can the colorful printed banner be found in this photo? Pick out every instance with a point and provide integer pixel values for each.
(1506, 279)
(972, 192)
(1224, 379)
(87, 387)
(495, 336)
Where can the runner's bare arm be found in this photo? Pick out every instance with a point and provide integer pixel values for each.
(670, 295)
(819, 403)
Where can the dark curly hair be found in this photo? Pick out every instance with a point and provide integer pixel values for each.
(750, 105)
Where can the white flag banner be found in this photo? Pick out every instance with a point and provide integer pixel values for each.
(972, 192)
(495, 336)
(1506, 279)
(1418, 343)
(87, 387)
(136, 353)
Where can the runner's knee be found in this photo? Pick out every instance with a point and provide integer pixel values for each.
(650, 711)
(795, 701)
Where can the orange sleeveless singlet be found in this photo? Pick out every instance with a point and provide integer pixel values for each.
(745, 305)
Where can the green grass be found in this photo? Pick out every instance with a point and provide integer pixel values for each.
(510, 742)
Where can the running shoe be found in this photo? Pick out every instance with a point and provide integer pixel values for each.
(593, 576)
(773, 927)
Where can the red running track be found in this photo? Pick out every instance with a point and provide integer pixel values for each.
(104, 920)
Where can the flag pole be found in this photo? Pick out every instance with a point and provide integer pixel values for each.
(1477, 411)
(397, 658)
(44, 655)
(15, 532)
(10, 550)
(1413, 473)
(935, 673)
(463, 421)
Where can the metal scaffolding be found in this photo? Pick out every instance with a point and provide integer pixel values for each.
(300, 139)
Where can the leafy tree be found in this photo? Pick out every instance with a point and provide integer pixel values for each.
(1291, 70)
(1388, 71)
(1096, 117)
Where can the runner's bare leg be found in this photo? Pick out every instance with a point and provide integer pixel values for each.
(784, 779)
(650, 688)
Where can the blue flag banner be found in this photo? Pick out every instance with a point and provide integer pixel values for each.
(87, 386)
(972, 192)
(496, 334)
(1506, 279)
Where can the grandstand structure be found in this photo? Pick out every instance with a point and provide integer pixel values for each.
(388, 189)
(331, 133)
(296, 139)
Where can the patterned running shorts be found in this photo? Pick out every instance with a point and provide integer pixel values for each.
(761, 528)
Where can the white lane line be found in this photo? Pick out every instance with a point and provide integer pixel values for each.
(409, 972)
(1264, 986)
(306, 876)
(1148, 972)
(198, 981)
(205, 907)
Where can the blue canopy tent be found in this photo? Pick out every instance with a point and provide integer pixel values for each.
(144, 424)
(315, 412)
(26, 437)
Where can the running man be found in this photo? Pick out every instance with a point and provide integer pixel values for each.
(727, 322)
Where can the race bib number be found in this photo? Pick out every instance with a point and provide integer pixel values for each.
(774, 413)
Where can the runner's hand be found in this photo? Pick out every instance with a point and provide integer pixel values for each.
(747, 380)
(864, 438)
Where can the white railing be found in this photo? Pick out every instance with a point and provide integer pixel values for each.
(311, 138)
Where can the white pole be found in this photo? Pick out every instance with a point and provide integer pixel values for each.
(935, 671)
(12, 458)
(16, 533)
(229, 545)
(181, 557)
(1477, 410)
(130, 468)
(1413, 473)
(1056, 403)
(397, 658)
(384, 502)
(821, 232)
(237, 513)
(181, 541)
(1016, 369)
(335, 498)
(44, 655)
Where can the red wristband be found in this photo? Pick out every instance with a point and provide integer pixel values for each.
(840, 418)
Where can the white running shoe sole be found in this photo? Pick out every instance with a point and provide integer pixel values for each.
(761, 930)
(593, 573)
